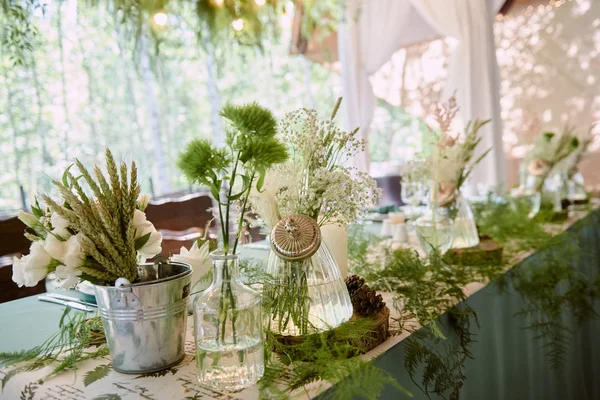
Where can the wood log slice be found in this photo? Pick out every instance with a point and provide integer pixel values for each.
(376, 331)
(486, 252)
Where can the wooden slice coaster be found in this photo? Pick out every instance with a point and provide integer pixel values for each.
(486, 252)
(376, 331)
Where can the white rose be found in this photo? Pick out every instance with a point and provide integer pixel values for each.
(17, 269)
(35, 266)
(144, 227)
(55, 247)
(59, 225)
(197, 257)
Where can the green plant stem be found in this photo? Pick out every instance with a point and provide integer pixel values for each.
(243, 212)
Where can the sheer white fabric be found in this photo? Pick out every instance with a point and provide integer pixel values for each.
(473, 73)
(372, 30)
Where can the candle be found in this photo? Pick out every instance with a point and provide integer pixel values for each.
(336, 239)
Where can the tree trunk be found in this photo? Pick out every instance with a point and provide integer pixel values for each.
(134, 121)
(41, 129)
(91, 99)
(148, 78)
(11, 119)
(214, 96)
(63, 82)
(308, 81)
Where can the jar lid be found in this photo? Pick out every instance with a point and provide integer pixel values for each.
(295, 237)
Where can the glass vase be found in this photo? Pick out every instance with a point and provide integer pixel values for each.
(306, 296)
(228, 329)
(528, 196)
(434, 231)
(464, 229)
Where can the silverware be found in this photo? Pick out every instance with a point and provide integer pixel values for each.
(71, 304)
(70, 298)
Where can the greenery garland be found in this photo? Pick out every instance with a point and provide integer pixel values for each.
(552, 288)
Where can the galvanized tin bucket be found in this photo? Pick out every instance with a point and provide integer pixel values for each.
(145, 323)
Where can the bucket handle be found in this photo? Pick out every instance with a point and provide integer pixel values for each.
(123, 296)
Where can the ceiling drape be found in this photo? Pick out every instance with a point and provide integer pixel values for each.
(372, 30)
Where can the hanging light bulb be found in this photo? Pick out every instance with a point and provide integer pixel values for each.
(217, 3)
(260, 2)
(286, 21)
(238, 24)
(160, 18)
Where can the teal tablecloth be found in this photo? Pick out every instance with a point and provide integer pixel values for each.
(507, 362)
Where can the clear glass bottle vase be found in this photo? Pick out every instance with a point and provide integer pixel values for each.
(228, 329)
(434, 227)
(306, 296)
(464, 228)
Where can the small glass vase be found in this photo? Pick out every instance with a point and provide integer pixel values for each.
(528, 196)
(306, 296)
(228, 329)
(464, 228)
(434, 231)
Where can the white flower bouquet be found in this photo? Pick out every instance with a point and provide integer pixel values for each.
(314, 180)
(548, 151)
(98, 239)
(451, 162)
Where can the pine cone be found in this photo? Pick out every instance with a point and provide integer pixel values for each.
(353, 283)
(367, 302)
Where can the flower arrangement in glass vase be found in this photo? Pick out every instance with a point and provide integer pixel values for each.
(547, 151)
(313, 188)
(81, 237)
(228, 314)
(453, 159)
(572, 193)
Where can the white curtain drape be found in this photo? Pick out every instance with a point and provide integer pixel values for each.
(369, 33)
(472, 73)
(372, 30)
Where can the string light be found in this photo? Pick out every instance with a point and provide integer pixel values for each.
(238, 24)
(260, 2)
(160, 18)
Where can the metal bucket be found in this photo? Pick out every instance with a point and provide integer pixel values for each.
(145, 323)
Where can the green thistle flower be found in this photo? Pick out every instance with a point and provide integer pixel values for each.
(201, 162)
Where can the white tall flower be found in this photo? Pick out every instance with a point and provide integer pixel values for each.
(55, 247)
(28, 219)
(59, 225)
(74, 255)
(35, 266)
(144, 227)
(142, 202)
(197, 257)
(18, 276)
(67, 277)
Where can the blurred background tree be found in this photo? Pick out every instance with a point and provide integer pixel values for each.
(78, 76)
